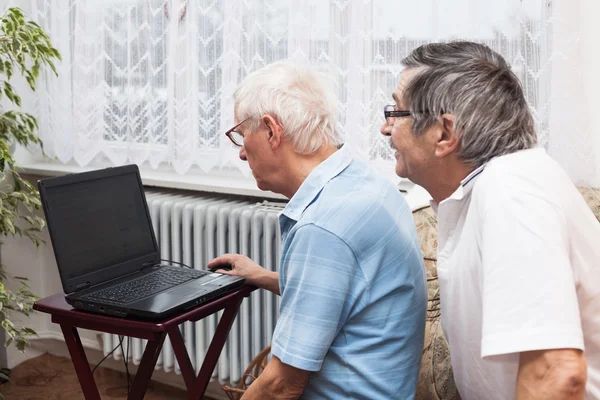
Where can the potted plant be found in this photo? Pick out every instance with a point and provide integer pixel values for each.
(24, 49)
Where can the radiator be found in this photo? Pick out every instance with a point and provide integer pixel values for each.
(193, 229)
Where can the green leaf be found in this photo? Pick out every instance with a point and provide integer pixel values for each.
(8, 28)
(21, 344)
(31, 82)
(9, 94)
(16, 46)
(8, 68)
(33, 52)
(24, 36)
(17, 11)
(35, 70)
(56, 53)
(51, 64)
(29, 331)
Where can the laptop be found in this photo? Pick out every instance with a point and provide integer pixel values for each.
(106, 251)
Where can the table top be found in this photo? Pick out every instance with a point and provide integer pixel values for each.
(57, 306)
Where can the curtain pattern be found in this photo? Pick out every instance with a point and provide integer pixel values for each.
(151, 81)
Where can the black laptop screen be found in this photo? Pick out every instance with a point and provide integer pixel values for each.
(98, 223)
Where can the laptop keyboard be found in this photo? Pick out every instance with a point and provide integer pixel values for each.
(147, 285)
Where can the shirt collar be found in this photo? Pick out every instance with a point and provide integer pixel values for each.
(465, 187)
(316, 181)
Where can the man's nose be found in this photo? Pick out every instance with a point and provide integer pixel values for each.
(243, 154)
(386, 129)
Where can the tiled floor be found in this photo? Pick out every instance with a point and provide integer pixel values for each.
(50, 377)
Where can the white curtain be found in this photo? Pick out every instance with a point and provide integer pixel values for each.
(574, 134)
(151, 81)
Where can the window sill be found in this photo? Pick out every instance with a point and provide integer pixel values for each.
(223, 183)
(416, 196)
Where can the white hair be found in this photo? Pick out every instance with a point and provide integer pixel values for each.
(299, 98)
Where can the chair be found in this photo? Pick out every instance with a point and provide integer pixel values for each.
(257, 365)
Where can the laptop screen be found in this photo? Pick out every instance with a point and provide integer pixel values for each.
(98, 223)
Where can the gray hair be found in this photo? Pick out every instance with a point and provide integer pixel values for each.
(299, 98)
(477, 86)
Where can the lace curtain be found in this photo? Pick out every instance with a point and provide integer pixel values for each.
(574, 134)
(151, 81)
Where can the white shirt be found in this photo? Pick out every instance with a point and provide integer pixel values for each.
(519, 270)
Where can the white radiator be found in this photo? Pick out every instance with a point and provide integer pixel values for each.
(193, 229)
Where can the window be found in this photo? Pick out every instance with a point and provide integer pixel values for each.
(151, 81)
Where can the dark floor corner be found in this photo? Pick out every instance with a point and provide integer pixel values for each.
(50, 377)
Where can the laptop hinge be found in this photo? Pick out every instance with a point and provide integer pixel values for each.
(82, 286)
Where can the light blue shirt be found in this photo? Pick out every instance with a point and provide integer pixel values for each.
(353, 288)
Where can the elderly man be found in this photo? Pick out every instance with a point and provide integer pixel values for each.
(352, 284)
(518, 248)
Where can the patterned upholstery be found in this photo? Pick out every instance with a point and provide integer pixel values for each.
(592, 197)
(435, 378)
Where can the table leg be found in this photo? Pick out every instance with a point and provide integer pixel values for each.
(144, 372)
(215, 348)
(185, 364)
(79, 359)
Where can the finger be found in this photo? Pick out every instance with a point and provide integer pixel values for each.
(224, 259)
(224, 272)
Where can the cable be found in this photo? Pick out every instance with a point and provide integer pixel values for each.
(175, 262)
(127, 365)
(108, 355)
(125, 360)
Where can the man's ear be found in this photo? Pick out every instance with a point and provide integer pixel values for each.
(447, 141)
(275, 131)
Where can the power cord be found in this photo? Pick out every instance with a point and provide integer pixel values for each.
(125, 360)
(176, 262)
(108, 355)
(125, 356)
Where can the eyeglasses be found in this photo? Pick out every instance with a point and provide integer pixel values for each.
(390, 113)
(237, 138)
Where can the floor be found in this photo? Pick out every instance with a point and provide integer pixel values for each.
(50, 377)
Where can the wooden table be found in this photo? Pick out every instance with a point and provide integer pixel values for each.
(155, 332)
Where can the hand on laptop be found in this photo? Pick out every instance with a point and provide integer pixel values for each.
(248, 269)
